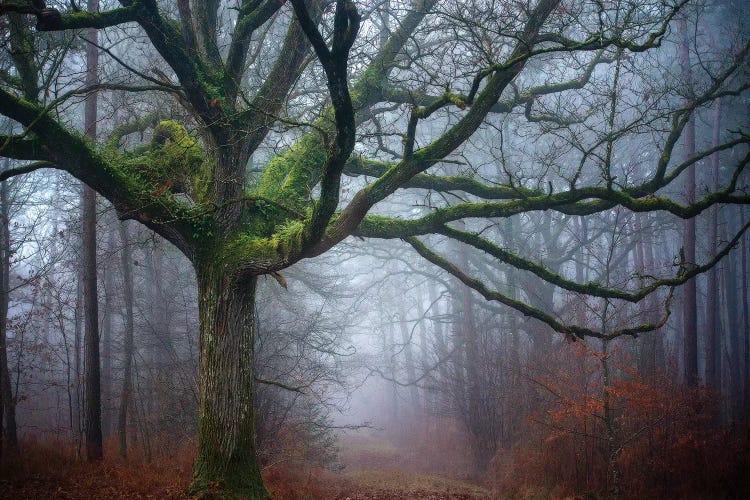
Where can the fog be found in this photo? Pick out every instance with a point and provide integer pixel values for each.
(392, 249)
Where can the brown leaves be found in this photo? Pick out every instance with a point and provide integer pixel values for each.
(278, 277)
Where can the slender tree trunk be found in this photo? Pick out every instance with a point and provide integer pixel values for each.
(734, 327)
(609, 419)
(423, 347)
(8, 401)
(440, 347)
(77, 334)
(713, 325)
(109, 292)
(2, 409)
(690, 309)
(745, 323)
(406, 340)
(163, 356)
(478, 418)
(389, 349)
(128, 344)
(655, 339)
(93, 403)
(226, 458)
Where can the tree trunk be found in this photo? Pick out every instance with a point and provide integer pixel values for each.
(93, 402)
(78, 402)
(8, 401)
(441, 350)
(713, 325)
(734, 327)
(745, 323)
(407, 341)
(109, 308)
(689, 309)
(655, 339)
(226, 464)
(127, 375)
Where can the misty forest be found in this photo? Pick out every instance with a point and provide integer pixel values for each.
(374, 249)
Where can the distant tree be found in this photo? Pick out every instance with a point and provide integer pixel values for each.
(7, 398)
(128, 342)
(93, 399)
(434, 89)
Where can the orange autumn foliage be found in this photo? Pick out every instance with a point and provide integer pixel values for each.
(669, 439)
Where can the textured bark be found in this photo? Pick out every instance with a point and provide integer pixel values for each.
(127, 382)
(689, 307)
(226, 465)
(93, 402)
(8, 401)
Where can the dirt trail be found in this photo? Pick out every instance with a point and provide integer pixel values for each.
(380, 470)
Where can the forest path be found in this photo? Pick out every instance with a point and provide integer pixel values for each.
(379, 469)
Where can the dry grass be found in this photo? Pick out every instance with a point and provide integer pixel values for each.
(49, 469)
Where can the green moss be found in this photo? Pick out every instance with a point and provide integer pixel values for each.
(369, 83)
(285, 242)
(291, 175)
(240, 479)
(175, 156)
(145, 174)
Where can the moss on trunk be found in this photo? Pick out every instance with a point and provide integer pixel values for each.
(226, 464)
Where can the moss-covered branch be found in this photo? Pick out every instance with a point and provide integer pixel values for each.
(527, 310)
(111, 173)
(53, 20)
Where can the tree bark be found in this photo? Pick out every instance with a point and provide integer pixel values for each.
(127, 375)
(733, 340)
(745, 323)
(93, 402)
(226, 465)
(713, 325)
(8, 401)
(689, 309)
(106, 331)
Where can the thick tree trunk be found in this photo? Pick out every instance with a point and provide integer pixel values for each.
(226, 465)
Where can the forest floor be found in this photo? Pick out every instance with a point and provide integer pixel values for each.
(372, 469)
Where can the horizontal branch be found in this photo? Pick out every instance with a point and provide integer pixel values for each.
(53, 20)
(526, 309)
